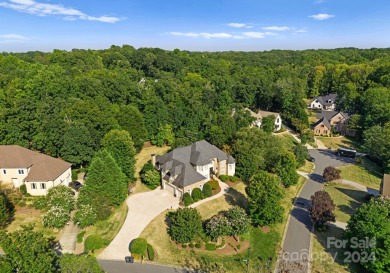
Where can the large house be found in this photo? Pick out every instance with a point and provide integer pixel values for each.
(190, 167)
(327, 102)
(385, 186)
(322, 127)
(337, 120)
(39, 172)
(262, 114)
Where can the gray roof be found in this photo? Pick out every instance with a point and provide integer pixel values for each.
(324, 121)
(327, 99)
(181, 161)
(328, 115)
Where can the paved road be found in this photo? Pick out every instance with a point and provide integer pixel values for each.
(121, 267)
(296, 245)
(142, 208)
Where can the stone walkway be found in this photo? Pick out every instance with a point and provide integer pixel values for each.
(224, 189)
(320, 145)
(337, 224)
(68, 237)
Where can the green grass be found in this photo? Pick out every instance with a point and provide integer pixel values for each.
(339, 142)
(307, 168)
(346, 199)
(366, 173)
(288, 141)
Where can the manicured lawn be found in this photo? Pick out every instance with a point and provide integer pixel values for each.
(109, 228)
(323, 257)
(366, 173)
(288, 141)
(307, 168)
(339, 142)
(346, 199)
(143, 157)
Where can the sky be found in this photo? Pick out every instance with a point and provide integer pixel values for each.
(196, 25)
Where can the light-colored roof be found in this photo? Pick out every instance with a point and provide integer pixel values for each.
(43, 167)
(385, 185)
(327, 99)
(261, 114)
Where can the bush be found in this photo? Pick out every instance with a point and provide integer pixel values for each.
(61, 196)
(138, 246)
(197, 194)
(210, 246)
(40, 203)
(184, 245)
(224, 177)
(238, 246)
(191, 245)
(233, 179)
(331, 173)
(187, 199)
(185, 225)
(93, 242)
(23, 189)
(56, 217)
(198, 245)
(214, 184)
(80, 236)
(85, 216)
(151, 179)
(207, 190)
(22, 203)
(74, 175)
(150, 252)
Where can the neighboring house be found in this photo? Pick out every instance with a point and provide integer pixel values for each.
(385, 186)
(262, 114)
(39, 172)
(190, 167)
(322, 127)
(337, 120)
(327, 102)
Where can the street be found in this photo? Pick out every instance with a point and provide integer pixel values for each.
(111, 266)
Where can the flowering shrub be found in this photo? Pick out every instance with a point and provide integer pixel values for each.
(56, 217)
(238, 219)
(218, 226)
(60, 196)
(85, 216)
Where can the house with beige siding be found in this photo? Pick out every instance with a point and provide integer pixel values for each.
(39, 172)
(385, 186)
(327, 102)
(190, 167)
(262, 114)
(322, 127)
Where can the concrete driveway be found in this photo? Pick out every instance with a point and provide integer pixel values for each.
(142, 209)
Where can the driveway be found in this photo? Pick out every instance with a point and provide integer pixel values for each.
(296, 243)
(68, 236)
(142, 209)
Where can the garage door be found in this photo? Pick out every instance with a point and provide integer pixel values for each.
(170, 188)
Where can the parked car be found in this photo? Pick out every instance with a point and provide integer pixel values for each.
(312, 159)
(76, 185)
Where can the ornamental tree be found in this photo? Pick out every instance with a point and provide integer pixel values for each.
(218, 226)
(185, 225)
(331, 173)
(85, 215)
(56, 217)
(322, 209)
(238, 219)
(60, 196)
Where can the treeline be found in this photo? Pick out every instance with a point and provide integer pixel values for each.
(63, 103)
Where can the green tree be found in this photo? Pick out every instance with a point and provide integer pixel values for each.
(287, 169)
(377, 142)
(165, 136)
(217, 226)
(138, 246)
(301, 154)
(70, 263)
(372, 221)
(185, 225)
(268, 124)
(93, 242)
(151, 178)
(119, 144)
(27, 251)
(6, 210)
(264, 195)
(238, 219)
(60, 196)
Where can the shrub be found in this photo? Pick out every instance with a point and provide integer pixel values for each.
(185, 225)
(56, 217)
(150, 250)
(187, 199)
(6, 210)
(218, 226)
(22, 203)
(214, 184)
(331, 173)
(138, 246)
(93, 242)
(61, 196)
(23, 189)
(210, 246)
(224, 177)
(40, 203)
(238, 246)
(197, 194)
(151, 179)
(74, 175)
(198, 245)
(191, 245)
(207, 190)
(80, 236)
(233, 179)
(184, 245)
(85, 216)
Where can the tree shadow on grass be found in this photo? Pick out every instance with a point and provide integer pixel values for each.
(236, 198)
(200, 264)
(357, 195)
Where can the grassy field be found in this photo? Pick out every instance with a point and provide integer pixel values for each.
(339, 142)
(307, 168)
(366, 173)
(288, 141)
(143, 157)
(346, 199)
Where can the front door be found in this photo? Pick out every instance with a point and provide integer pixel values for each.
(16, 182)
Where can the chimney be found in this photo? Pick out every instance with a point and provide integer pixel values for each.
(154, 160)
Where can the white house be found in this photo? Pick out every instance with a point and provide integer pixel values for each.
(39, 172)
(262, 114)
(190, 167)
(327, 102)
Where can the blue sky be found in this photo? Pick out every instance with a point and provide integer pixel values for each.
(212, 25)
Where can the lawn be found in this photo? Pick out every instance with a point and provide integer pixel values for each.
(307, 168)
(339, 142)
(346, 199)
(141, 158)
(288, 141)
(366, 173)
(323, 257)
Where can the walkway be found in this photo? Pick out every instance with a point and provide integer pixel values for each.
(337, 224)
(68, 236)
(224, 189)
(358, 186)
(142, 209)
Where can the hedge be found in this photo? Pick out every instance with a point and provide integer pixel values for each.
(187, 199)
(150, 252)
(80, 236)
(207, 190)
(224, 177)
(233, 179)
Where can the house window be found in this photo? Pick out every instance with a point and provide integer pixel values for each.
(4, 171)
(20, 171)
(325, 131)
(43, 186)
(33, 186)
(230, 167)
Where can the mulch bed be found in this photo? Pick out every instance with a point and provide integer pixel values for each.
(26, 210)
(265, 229)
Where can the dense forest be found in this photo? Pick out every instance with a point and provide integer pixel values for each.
(63, 103)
